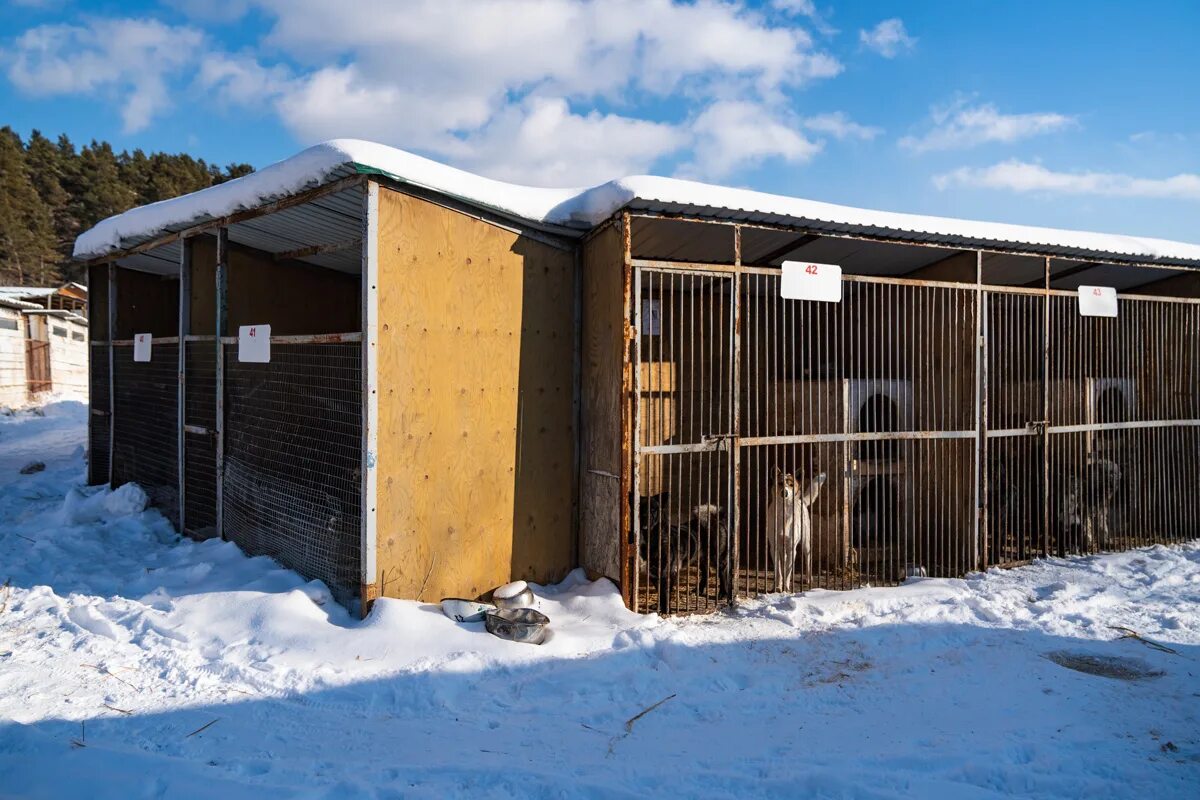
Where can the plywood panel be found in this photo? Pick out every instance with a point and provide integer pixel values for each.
(204, 285)
(603, 325)
(290, 296)
(476, 431)
(146, 303)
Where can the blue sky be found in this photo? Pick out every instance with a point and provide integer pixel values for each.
(1070, 114)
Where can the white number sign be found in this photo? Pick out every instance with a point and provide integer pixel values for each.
(1097, 301)
(141, 346)
(803, 280)
(651, 318)
(254, 343)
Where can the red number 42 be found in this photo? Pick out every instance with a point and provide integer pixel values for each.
(811, 269)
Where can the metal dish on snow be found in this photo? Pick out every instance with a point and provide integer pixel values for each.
(460, 609)
(513, 595)
(518, 625)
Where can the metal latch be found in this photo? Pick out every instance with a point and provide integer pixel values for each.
(1036, 426)
(717, 441)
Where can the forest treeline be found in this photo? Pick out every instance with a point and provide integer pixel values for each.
(51, 191)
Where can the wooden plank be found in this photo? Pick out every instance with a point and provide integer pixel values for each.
(602, 355)
(476, 431)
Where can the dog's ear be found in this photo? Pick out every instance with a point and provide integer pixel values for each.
(814, 489)
(776, 474)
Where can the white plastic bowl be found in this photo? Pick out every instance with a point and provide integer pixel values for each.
(462, 610)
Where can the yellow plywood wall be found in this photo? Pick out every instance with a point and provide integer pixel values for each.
(476, 405)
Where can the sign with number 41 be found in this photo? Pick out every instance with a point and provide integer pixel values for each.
(254, 343)
(804, 280)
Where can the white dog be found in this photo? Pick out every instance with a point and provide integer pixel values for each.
(789, 526)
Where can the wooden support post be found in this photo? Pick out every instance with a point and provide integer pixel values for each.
(112, 388)
(185, 297)
(219, 330)
(981, 412)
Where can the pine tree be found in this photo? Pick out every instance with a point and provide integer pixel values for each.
(50, 193)
(26, 225)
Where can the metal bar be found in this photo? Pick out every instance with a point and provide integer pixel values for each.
(222, 281)
(686, 267)
(636, 355)
(112, 389)
(735, 421)
(981, 409)
(185, 300)
(854, 436)
(368, 589)
(304, 338)
(157, 340)
(1046, 410)
(199, 430)
(1123, 426)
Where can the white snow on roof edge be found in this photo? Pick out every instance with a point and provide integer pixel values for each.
(574, 207)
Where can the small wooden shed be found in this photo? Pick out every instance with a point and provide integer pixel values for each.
(469, 382)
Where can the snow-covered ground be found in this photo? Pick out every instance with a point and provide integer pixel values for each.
(137, 664)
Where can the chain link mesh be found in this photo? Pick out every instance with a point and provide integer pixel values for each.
(146, 423)
(98, 428)
(293, 431)
(200, 448)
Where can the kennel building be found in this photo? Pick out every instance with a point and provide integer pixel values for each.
(470, 382)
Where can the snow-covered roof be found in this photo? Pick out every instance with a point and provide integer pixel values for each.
(581, 208)
(22, 292)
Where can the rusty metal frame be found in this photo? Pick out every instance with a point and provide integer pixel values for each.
(112, 388)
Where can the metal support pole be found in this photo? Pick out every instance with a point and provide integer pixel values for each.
(219, 330)
(1046, 409)
(981, 411)
(736, 420)
(185, 324)
(112, 388)
(368, 589)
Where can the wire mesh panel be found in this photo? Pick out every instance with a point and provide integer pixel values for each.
(293, 442)
(100, 407)
(683, 455)
(146, 424)
(200, 451)
(858, 434)
(1122, 428)
(1016, 394)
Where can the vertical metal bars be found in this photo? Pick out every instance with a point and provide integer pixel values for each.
(185, 298)
(219, 373)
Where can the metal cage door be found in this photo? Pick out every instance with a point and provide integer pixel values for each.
(684, 440)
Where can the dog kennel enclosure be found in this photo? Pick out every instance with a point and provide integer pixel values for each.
(960, 403)
(411, 429)
(467, 382)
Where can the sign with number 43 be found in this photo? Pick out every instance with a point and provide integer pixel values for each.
(804, 280)
(254, 344)
(1097, 301)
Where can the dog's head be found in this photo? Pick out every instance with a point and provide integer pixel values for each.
(786, 487)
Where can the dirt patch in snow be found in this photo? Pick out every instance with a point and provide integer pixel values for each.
(1120, 667)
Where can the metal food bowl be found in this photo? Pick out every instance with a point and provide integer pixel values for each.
(460, 609)
(522, 597)
(518, 625)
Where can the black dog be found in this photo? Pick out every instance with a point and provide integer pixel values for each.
(667, 548)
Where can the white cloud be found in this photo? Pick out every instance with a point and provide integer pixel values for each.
(838, 125)
(131, 59)
(1022, 176)
(888, 38)
(512, 88)
(961, 125)
(733, 134)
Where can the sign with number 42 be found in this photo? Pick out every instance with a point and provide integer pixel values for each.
(1097, 301)
(804, 280)
(254, 344)
(142, 342)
